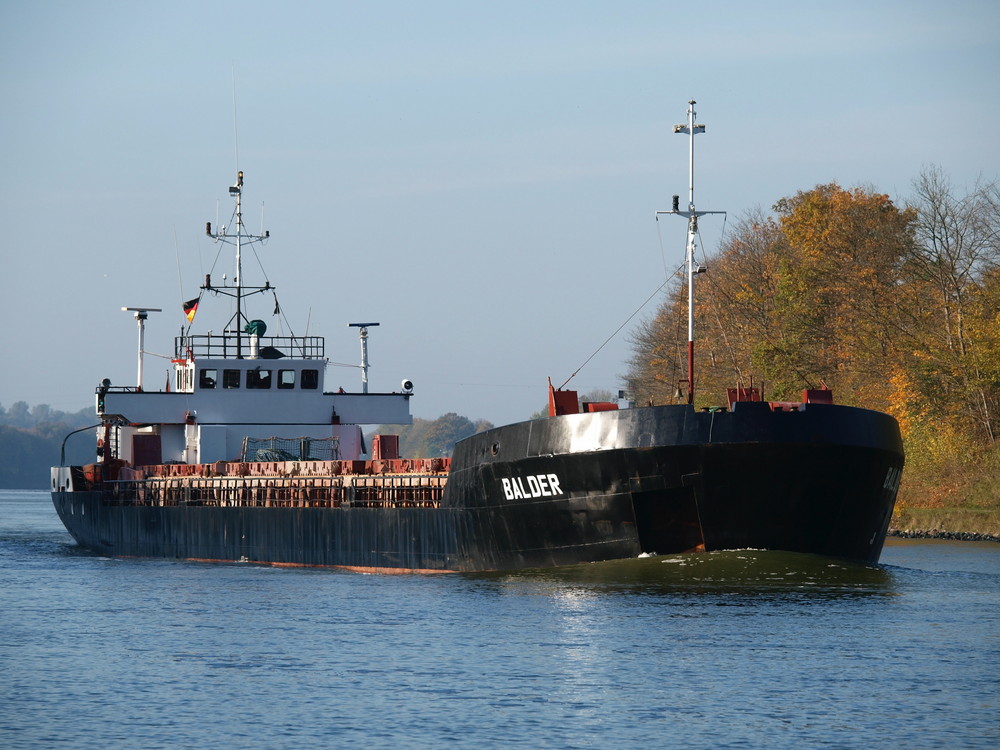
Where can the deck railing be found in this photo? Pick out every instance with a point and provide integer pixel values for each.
(399, 491)
(230, 346)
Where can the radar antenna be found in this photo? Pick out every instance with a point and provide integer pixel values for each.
(141, 314)
(363, 333)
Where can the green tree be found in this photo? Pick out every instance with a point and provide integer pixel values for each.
(18, 415)
(433, 438)
(951, 270)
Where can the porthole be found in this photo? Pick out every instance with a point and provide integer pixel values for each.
(494, 449)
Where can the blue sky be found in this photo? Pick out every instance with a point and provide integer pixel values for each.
(480, 178)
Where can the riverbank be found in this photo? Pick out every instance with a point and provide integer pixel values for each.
(965, 524)
(961, 536)
(952, 494)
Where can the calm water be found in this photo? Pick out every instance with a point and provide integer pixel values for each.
(737, 649)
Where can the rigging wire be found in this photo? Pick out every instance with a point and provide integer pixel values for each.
(280, 312)
(714, 307)
(618, 330)
(180, 283)
(260, 265)
(663, 254)
(180, 276)
(222, 242)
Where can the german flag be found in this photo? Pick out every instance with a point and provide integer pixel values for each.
(190, 308)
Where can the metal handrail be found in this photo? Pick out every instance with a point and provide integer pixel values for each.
(229, 346)
(62, 449)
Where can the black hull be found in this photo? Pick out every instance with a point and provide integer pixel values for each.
(565, 490)
(404, 539)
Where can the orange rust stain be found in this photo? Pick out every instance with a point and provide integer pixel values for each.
(351, 568)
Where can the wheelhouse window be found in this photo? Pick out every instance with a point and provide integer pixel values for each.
(286, 378)
(257, 378)
(310, 379)
(230, 378)
(208, 378)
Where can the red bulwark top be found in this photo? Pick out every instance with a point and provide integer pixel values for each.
(592, 406)
(562, 402)
(817, 396)
(742, 394)
(385, 447)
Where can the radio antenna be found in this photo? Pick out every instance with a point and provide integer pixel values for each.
(236, 132)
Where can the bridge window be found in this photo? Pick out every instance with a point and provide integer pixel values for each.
(258, 378)
(310, 379)
(286, 378)
(208, 378)
(230, 378)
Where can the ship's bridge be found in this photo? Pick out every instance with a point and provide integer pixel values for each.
(230, 362)
(228, 388)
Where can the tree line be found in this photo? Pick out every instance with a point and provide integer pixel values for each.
(433, 438)
(31, 439)
(894, 307)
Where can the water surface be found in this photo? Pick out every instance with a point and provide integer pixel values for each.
(731, 650)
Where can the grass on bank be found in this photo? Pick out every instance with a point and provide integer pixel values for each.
(955, 490)
(952, 520)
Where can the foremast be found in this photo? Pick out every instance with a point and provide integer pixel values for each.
(690, 128)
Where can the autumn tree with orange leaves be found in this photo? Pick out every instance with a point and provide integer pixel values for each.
(894, 308)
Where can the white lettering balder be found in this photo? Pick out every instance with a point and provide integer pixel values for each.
(535, 485)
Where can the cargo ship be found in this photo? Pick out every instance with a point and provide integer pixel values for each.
(246, 456)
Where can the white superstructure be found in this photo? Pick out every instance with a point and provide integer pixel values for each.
(240, 384)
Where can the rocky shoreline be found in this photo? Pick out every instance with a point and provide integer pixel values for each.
(961, 536)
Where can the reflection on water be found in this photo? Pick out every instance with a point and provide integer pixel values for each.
(741, 572)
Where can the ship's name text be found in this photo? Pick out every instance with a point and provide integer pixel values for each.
(536, 485)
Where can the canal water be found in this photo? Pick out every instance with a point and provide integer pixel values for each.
(742, 649)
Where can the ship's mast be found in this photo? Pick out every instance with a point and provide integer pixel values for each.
(237, 192)
(238, 290)
(691, 129)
